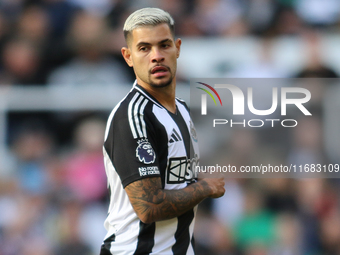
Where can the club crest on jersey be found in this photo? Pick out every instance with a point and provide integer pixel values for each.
(193, 131)
(145, 152)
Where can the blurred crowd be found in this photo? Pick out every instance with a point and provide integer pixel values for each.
(77, 42)
(53, 195)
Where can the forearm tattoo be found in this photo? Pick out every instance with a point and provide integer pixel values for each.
(150, 201)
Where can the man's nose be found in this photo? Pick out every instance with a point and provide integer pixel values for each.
(157, 56)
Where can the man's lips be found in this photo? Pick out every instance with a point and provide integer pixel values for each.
(159, 70)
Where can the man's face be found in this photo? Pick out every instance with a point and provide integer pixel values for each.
(153, 54)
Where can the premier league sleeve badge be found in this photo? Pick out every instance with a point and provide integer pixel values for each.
(145, 152)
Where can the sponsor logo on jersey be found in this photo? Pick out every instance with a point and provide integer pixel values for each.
(175, 137)
(182, 170)
(145, 152)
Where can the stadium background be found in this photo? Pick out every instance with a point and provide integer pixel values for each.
(61, 73)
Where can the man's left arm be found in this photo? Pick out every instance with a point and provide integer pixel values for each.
(152, 203)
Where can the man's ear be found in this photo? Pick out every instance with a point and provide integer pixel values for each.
(127, 56)
(178, 43)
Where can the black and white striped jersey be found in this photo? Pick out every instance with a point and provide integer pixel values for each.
(143, 139)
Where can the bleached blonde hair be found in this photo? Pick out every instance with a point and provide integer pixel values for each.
(147, 17)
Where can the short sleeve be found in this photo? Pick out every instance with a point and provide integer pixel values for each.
(131, 144)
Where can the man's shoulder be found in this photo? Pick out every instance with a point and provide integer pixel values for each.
(135, 103)
(133, 113)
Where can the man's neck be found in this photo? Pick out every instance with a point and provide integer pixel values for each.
(165, 95)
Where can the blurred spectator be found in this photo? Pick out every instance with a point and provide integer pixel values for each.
(21, 63)
(4, 28)
(24, 232)
(86, 187)
(32, 148)
(287, 22)
(211, 236)
(218, 17)
(96, 7)
(315, 66)
(33, 25)
(243, 148)
(60, 13)
(306, 146)
(260, 15)
(115, 20)
(288, 232)
(256, 249)
(255, 231)
(279, 197)
(23, 201)
(183, 13)
(11, 9)
(117, 14)
(309, 194)
(35, 22)
(84, 167)
(330, 233)
(264, 66)
(91, 66)
(319, 13)
(232, 202)
(68, 222)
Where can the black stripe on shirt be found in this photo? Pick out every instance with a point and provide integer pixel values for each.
(146, 238)
(105, 248)
(182, 234)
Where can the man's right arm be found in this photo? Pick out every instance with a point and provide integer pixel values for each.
(152, 203)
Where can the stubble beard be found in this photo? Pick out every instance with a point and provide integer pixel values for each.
(161, 85)
(164, 83)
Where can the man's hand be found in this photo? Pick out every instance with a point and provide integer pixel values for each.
(216, 186)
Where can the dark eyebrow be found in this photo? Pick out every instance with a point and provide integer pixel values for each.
(142, 44)
(147, 44)
(165, 40)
